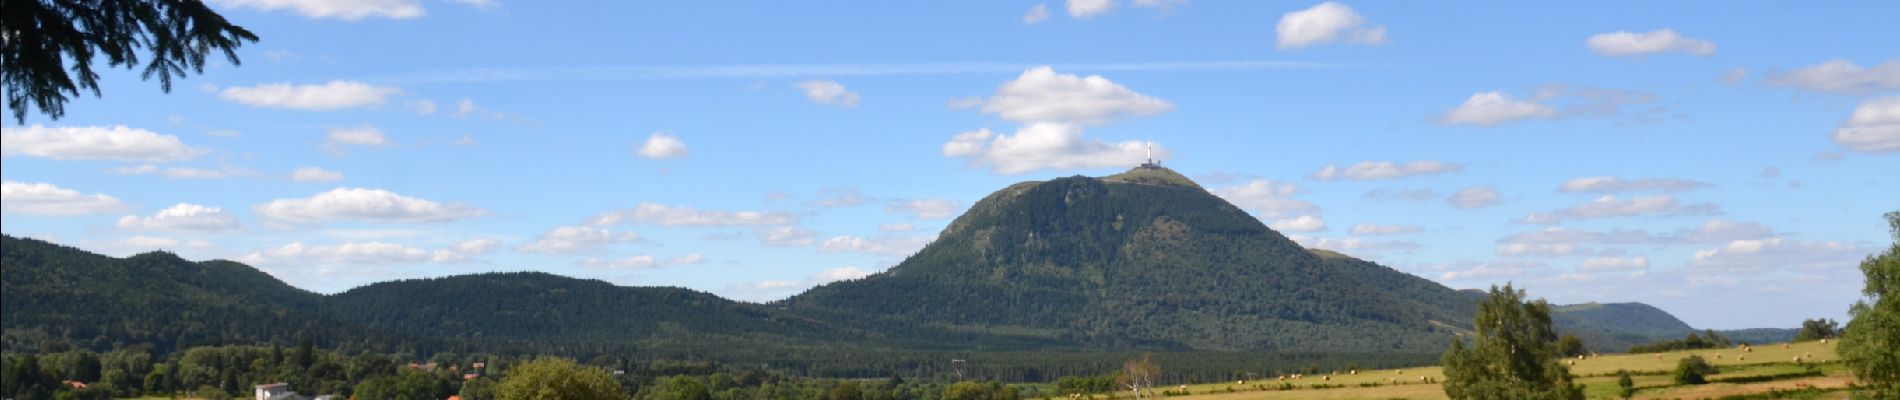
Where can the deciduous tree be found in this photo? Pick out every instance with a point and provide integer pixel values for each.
(1871, 344)
(1514, 353)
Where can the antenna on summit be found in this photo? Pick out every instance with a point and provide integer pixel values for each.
(1151, 164)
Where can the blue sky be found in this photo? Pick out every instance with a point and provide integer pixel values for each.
(1702, 157)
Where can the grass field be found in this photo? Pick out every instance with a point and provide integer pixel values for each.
(1771, 367)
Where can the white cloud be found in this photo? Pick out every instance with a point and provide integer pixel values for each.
(1325, 23)
(1773, 253)
(1734, 75)
(889, 246)
(829, 92)
(1717, 230)
(662, 146)
(898, 227)
(464, 250)
(1164, 5)
(575, 239)
(119, 143)
(1378, 229)
(334, 95)
(1036, 14)
(1535, 250)
(1474, 197)
(1370, 170)
(1492, 108)
(1045, 145)
(1083, 9)
(354, 204)
(370, 253)
(1041, 94)
(1611, 184)
(1842, 76)
(925, 208)
(665, 215)
(183, 217)
(314, 174)
(1303, 223)
(466, 107)
(787, 236)
(1611, 207)
(335, 140)
(1614, 264)
(1626, 43)
(1874, 127)
(46, 199)
(780, 288)
(1267, 198)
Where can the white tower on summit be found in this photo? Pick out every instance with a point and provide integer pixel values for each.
(1151, 164)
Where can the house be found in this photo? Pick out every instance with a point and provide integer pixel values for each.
(271, 391)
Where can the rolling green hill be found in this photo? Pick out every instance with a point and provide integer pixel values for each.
(1140, 261)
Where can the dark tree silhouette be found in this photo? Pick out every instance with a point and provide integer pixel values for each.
(38, 38)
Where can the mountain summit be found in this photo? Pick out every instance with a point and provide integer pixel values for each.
(1146, 258)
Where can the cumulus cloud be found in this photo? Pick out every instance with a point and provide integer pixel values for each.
(838, 274)
(898, 227)
(183, 217)
(768, 290)
(1773, 253)
(1874, 127)
(1626, 43)
(314, 174)
(1325, 23)
(1267, 198)
(925, 208)
(370, 205)
(1378, 229)
(1842, 76)
(335, 95)
(1303, 223)
(1611, 184)
(1083, 9)
(576, 239)
(1041, 94)
(1053, 108)
(662, 146)
(335, 140)
(1370, 170)
(1492, 108)
(1044, 145)
(1474, 197)
(888, 246)
(46, 199)
(787, 236)
(665, 215)
(828, 92)
(1614, 264)
(1612, 207)
(118, 143)
(1036, 14)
